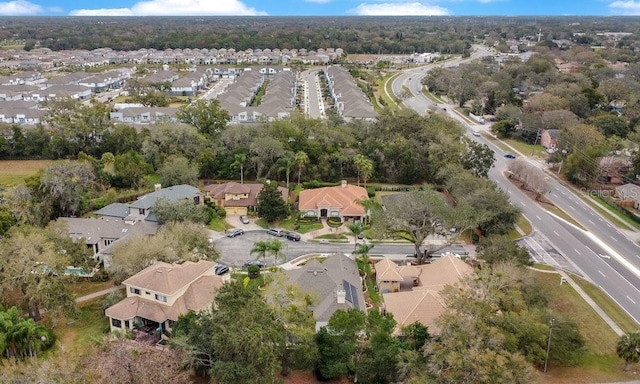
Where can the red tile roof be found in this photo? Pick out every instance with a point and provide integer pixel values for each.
(346, 198)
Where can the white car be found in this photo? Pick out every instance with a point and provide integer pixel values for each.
(475, 132)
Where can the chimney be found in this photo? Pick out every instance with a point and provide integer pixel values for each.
(157, 187)
(341, 296)
(343, 183)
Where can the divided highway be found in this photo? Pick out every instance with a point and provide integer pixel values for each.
(601, 254)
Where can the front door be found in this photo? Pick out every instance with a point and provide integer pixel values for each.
(323, 212)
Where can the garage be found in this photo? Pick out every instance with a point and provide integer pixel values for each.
(236, 210)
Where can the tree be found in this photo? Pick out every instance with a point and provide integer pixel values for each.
(130, 169)
(293, 309)
(271, 205)
(275, 248)
(239, 160)
(177, 170)
(532, 178)
(285, 165)
(499, 249)
(261, 248)
(363, 251)
(477, 157)
(21, 338)
(206, 116)
(628, 349)
(6, 220)
(172, 139)
(358, 162)
(338, 343)
(366, 169)
(32, 264)
(237, 341)
(415, 215)
(356, 230)
(179, 211)
(173, 242)
(301, 159)
(65, 186)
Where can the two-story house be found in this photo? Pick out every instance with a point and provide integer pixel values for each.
(158, 294)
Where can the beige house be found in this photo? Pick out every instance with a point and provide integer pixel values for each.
(341, 202)
(419, 296)
(157, 295)
(388, 277)
(236, 198)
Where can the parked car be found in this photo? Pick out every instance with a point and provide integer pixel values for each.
(235, 232)
(475, 132)
(259, 263)
(221, 269)
(510, 156)
(293, 236)
(244, 219)
(275, 232)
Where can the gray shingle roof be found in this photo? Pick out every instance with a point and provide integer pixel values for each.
(120, 210)
(174, 193)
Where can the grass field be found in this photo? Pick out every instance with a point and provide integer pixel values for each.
(599, 363)
(14, 172)
(77, 335)
(526, 149)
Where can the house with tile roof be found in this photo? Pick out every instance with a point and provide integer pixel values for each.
(236, 198)
(388, 277)
(419, 296)
(341, 202)
(160, 293)
(334, 282)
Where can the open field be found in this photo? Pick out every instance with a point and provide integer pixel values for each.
(14, 172)
(599, 363)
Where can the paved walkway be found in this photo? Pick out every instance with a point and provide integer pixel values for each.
(94, 295)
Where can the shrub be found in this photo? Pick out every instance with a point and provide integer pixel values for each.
(254, 271)
(371, 192)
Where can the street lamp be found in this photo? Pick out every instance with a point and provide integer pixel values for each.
(546, 359)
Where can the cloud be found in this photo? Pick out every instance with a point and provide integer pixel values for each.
(175, 8)
(318, 1)
(629, 7)
(19, 8)
(399, 9)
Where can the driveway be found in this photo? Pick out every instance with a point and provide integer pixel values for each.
(234, 220)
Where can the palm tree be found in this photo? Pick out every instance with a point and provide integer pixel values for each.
(301, 159)
(356, 230)
(358, 161)
(286, 164)
(366, 169)
(628, 348)
(262, 247)
(275, 247)
(363, 251)
(239, 160)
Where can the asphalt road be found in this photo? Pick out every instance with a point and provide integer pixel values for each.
(312, 94)
(237, 250)
(602, 254)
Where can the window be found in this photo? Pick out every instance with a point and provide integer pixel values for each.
(116, 323)
(141, 211)
(108, 242)
(161, 298)
(135, 291)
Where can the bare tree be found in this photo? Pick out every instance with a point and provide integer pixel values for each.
(530, 177)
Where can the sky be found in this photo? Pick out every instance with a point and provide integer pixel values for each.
(318, 7)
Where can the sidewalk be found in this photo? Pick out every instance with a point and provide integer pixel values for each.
(94, 295)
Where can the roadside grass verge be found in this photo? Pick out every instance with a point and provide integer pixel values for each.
(497, 142)
(333, 236)
(544, 267)
(606, 212)
(432, 96)
(14, 172)
(525, 148)
(618, 215)
(389, 89)
(599, 363)
(525, 227)
(610, 307)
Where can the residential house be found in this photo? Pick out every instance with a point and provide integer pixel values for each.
(143, 115)
(549, 138)
(349, 100)
(78, 92)
(105, 81)
(419, 297)
(628, 194)
(613, 169)
(388, 277)
(335, 283)
(236, 198)
(142, 208)
(100, 234)
(160, 293)
(341, 202)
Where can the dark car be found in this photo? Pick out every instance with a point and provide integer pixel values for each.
(235, 232)
(293, 236)
(510, 156)
(221, 269)
(259, 263)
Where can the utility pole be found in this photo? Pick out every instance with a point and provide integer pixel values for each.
(546, 359)
(535, 142)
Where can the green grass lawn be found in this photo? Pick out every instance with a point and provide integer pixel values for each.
(219, 225)
(524, 225)
(77, 335)
(432, 96)
(562, 214)
(526, 149)
(380, 91)
(619, 218)
(85, 286)
(599, 363)
(14, 172)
